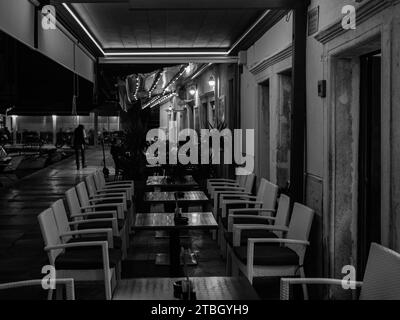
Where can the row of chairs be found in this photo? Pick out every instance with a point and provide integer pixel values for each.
(259, 234)
(90, 243)
(260, 240)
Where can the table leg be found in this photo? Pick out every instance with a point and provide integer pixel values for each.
(175, 253)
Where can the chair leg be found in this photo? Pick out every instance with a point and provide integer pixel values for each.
(107, 287)
(124, 248)
(228, 269)
(235, 268)
(223, 247)
(219, 236)
(59, 292)
(305, 291)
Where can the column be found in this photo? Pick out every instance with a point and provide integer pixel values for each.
(54, 129)
(298, 134)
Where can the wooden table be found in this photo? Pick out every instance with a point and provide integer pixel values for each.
(165, 182)
(187, 199)
(165, 221)
(208, 288)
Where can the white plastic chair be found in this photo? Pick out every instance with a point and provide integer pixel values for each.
(265, 199)
(68, 283)
(271, 260)
(94, 194)
(102, 185)
(381, 278)
(258, 221)
(212, 183)
(98, 214)
(67, 230)
(219, 192)
(115, 202)
(91, 266)
(245, 186)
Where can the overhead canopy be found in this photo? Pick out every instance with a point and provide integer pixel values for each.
(36, 85)
(203, 4)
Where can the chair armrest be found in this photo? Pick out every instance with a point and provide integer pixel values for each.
(109, 194)
(121, 182)
(282, 241)
(128, 190)
(103, 244)
(221, 180)
(231, 219)
(114, 223)
(118, 185)
(103, 198)
(228, 202)
(121, 200)
(251, 211)
(238, 228)
(221, 183)
(236, 194)
(108, 232)
(287, 282)
(69, 285)
(228, 188)
(118, 206)
(97, 213)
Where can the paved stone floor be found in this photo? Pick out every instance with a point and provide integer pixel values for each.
(21, 246)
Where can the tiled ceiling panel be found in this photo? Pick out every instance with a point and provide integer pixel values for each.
(116, 26)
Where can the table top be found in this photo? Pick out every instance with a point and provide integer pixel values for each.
(155, 181)
(165, 221)
(187, 196)
(207, 288)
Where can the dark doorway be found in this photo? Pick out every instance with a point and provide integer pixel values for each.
(264, 131)
(369, 214)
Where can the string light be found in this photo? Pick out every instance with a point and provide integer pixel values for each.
(156, 81)
(137, 88)
(158, 100)
(176, 78)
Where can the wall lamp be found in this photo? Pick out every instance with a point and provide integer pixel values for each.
(211, 81)
(192, 90)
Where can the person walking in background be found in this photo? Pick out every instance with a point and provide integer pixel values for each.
(79, 145)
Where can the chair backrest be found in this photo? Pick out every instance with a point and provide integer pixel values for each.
(50, 234)
(382, 275)
(101, 178)
(97, 180)
(267, 194)
(249, 183)
(73, 202)
(60, 214)
(282, 214)
(90, 185)
(82, 194)
(241, 180)
(300, 226)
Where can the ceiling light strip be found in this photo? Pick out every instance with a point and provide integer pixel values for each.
(172, 53)
(83, 27)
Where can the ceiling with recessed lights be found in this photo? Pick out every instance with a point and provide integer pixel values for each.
(124, 28)
(117, 26)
